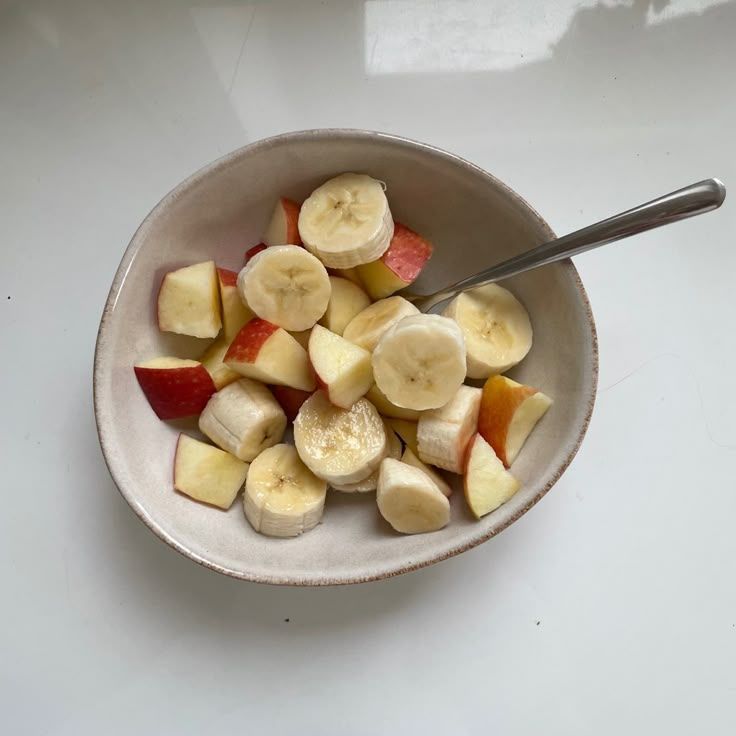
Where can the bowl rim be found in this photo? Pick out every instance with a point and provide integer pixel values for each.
(131, 251)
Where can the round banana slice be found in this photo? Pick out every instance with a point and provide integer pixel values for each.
(340, 445)
(347, 221)
(420, 362)
(409, 499)
(367, 327)
(496, 327)
(282, 497)
(287, 286)
(393, 450)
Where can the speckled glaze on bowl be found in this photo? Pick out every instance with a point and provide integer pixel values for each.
(474, 221)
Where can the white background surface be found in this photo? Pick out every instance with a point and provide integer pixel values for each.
(611, 607)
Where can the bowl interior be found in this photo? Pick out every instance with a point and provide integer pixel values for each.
(473, 221)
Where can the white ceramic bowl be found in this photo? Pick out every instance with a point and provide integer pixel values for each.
(473, 220)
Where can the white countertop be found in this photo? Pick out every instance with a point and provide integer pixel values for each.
(610, 608)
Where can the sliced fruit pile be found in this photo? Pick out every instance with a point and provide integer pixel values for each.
(311, 331)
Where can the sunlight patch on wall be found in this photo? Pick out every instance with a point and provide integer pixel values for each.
(422, 36)
(678, 8)
(415, 36)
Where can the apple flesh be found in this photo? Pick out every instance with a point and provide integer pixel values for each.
(343, 370)
(290, 399)
(346, 300)
(487, 483)
(189, 301)
(234, 312)
(212, 360)
(399, 266)
(175, 387)
(266, 352)
(283, 229)
(206, 473)
(509, 411)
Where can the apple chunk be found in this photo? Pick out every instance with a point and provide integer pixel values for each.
(189, 301)
(234, 312)
(283, 229)
(212, 360)
(509, 411)
(175, 387)
(343, 370)
(399, 266)
(266, 352)
(347, 299)
(206, 473)
(487, 483)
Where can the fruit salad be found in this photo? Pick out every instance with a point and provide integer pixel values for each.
(312, 333)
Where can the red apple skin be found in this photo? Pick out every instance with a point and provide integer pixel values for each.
(176, 392)
(498, 404)
(227, 277)
(291, 209)
(321, 385)
(407, 253)
(254, 251)
(248, 342)
(290, 399)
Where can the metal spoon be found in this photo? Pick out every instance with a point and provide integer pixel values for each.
(693, 200)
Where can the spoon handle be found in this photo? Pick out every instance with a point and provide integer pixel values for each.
(693, 200)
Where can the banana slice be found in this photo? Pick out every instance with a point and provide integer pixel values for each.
(393, 450)
(347, 221)
(443, 434)
(411, 459)
(409, 500)
(282, 497)
(419, 363)
(340, 445)
(386, 408)
(367, 327)
(407, 432)
(496, 326)
(243, 418)
(287, 286)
